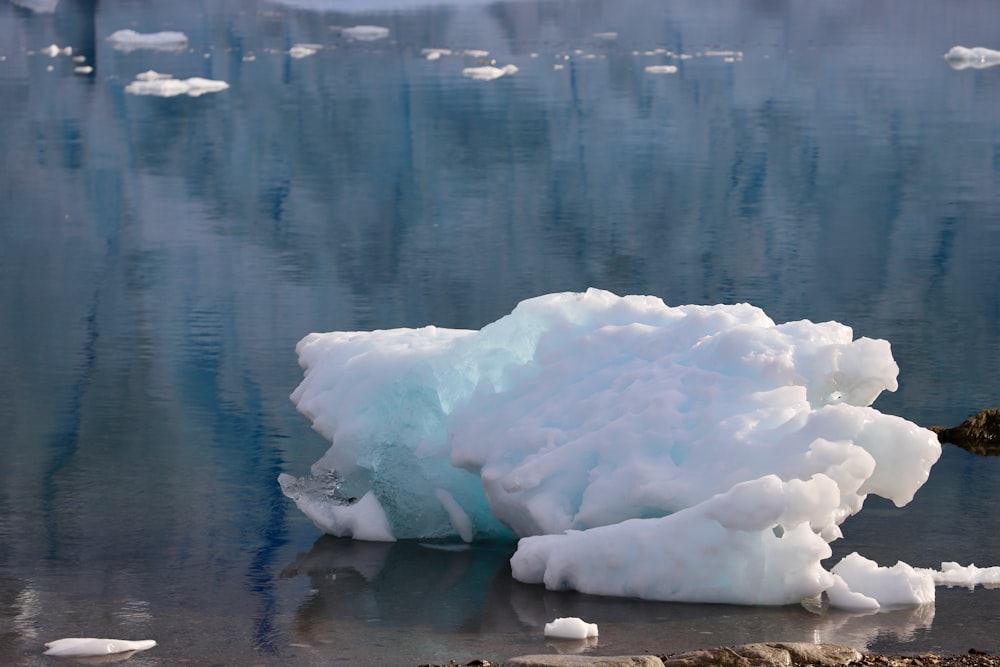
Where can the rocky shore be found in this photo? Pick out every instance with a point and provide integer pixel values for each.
(778, 654)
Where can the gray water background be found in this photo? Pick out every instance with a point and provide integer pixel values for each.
(160, 258)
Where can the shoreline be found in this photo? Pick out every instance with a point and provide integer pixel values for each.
(770, 654)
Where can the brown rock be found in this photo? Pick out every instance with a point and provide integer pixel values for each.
(979, 434)
(766, 655)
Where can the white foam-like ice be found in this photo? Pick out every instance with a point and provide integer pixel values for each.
(696, 453)
(130, 40)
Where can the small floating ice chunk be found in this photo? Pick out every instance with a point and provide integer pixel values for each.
(130, 40)
(365, 33)
(83, 69)
(606, 36)
(724, 54)
(198, 86)
(960, 57)
(434, 54)
(899, 585)
(570, 628)
(152, 75)
(970, 576)
(488, 72)
(163, 85)
(476, 53)
(84, 647)
(304, 50)
(661, 69)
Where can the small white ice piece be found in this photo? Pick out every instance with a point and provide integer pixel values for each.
(304, 50)
(130, 40)
(488, 72)
(365, 33)
(570, 628)
(979, 57)
(661, 69)
(84, 647)
(163, 85)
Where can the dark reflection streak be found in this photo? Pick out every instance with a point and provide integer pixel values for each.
(64, 445)
(265, 466)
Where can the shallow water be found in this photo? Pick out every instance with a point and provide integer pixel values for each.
(160, 258)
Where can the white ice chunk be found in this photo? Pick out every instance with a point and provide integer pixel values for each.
(689, 453)
(362, 519)
(435, 54)
(899, 585)
(960, 57)
(152, 75)
(163, 85)
(842, 597)
(488, 72)
(661, 69)
(570, 628)
(83, 647)
(198, 86)
(970, 576)
(365, 33)
(130, 40)
(304, 50)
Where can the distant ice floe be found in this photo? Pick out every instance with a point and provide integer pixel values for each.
(488, 72)
(960, 57)
(304, 50)
(661, 69)
(365, 33)
(130, 40)
(53, 51)
(164, 85)
(89, 647)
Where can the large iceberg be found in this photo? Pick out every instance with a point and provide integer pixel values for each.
(689, 453)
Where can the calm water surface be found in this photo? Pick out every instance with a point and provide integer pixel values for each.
(159, 259)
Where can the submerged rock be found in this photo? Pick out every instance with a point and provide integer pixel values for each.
(979, 434)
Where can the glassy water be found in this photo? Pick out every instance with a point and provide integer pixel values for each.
(160, 258)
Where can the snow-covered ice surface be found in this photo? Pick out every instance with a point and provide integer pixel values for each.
(690, 453)
(130, 40)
